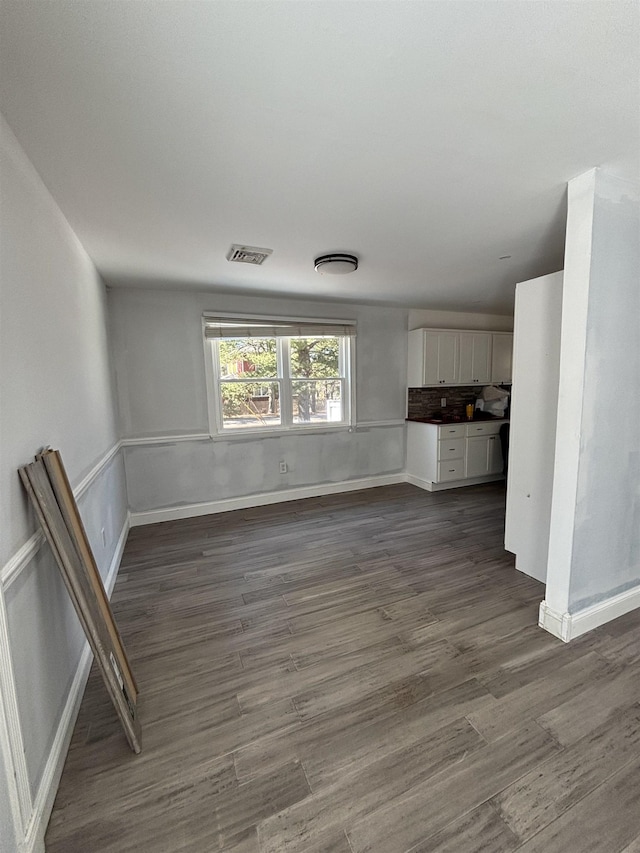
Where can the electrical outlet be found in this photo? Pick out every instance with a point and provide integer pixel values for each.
(104, 538)
(443, 402)
(283, 467)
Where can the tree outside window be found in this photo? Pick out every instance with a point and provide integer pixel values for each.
(278, 381)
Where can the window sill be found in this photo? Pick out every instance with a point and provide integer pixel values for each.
(234, 435)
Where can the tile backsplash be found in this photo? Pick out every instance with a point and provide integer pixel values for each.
(423, 402)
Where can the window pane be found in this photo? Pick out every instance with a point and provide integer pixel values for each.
(248, 404)
(317, 401)
(314, 358)
(244, 358)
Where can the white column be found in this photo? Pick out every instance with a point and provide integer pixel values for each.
(593, 570)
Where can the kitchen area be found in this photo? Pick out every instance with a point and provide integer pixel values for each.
(459, 384)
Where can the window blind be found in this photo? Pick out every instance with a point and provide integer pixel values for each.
(225, 327)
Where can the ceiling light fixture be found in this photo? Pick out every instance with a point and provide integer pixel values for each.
(336, 264)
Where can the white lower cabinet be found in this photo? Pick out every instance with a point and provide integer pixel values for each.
(441, 456)
(484, 456)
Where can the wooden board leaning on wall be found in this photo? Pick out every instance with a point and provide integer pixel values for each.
(47, 485)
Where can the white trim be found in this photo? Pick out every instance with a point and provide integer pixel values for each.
(97, 469)
(19, 788)
(165, 439)
(390, 423)
(41, 811)
(210, 372)
(554, 622)
(21, 559)
(23, 556)
(14, 799)
(240, 433)
(568, 626)
(112, 574)
(43, 804)
(427, 485)
(430, 486)
(144, 441)
(209, 316)
(212, 507)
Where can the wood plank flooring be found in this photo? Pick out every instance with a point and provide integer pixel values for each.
(362, 672)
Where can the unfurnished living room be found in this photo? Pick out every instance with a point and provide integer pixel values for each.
(319, 449)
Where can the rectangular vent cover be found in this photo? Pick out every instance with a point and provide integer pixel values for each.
(247, 254)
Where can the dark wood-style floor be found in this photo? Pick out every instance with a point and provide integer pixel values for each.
(355, 673)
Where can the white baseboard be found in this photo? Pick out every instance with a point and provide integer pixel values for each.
(43, 803)
(554, 622)
(430, 486)
(568, 626)
(427, 485)
(155, 516)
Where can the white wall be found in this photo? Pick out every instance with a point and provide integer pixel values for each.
(8, 839)
(56, 389)
(422, 318)
(161, 390)
(534, 401)
(594, 550)
(608, 492)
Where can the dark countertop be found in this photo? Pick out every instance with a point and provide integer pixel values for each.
(445, 421)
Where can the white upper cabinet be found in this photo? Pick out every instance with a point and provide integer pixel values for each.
(501, 358)
(475, 358)
(440, 358)
(433, 358)
(452, 357)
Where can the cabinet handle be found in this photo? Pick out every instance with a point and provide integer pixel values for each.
(452, 470)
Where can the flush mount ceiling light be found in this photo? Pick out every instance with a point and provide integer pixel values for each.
(336, 264)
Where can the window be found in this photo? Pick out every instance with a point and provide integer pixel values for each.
(277, 375)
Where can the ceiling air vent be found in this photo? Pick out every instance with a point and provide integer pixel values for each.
(248, 254)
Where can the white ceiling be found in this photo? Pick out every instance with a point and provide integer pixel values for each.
(428, 138)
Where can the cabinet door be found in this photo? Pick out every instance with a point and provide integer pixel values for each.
(477, 456)
(415, 359)
(474, 365)
(495, 462)
(501, 359)
(440, 358)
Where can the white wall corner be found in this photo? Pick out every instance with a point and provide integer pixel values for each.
(573, 346)
(427, 485)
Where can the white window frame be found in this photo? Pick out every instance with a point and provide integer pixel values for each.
(346, 369)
